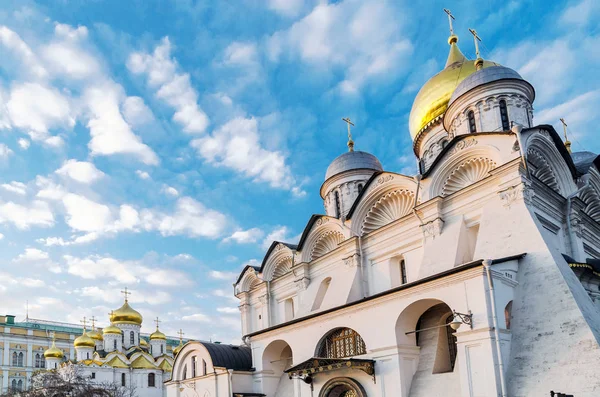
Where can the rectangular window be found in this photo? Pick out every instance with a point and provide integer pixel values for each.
(193, 366)
(93, 375)
(203, 367)
(403, 271)
(122, 379)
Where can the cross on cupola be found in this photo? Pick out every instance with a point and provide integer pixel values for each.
(93, 320)
(180, 333)
(567, 142)
(157, 321)
(450, 19)
(125, 293)
(350, 141)
(84, 322)
(477, 39)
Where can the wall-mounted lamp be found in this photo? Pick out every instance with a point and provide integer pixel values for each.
(460, 319)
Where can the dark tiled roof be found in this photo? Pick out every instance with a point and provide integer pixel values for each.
(238, 358)
(584, 160)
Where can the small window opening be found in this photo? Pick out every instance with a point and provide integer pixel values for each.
(471, 117)
(504, 116)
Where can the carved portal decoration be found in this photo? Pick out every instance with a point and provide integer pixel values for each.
(467, 173)
(342, 387)
(282, 267)
(326, 242)
(515, 194)
(464, 144)
(541, 169)
(432, 229)
(391, 206)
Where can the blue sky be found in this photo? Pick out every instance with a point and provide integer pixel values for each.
(163, 145)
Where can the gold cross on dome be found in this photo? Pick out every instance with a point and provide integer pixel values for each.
(157, 321)
(450, 18)
(126, 293)
(53, 335)
(180, 333)
(476, 39)
(84, 322)
(350, 141)
(93, 320)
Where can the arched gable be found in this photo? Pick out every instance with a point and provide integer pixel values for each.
(321, 236)
(248, 280)
(466, 163)
(385, 198)
(278, 261)
(546, 163)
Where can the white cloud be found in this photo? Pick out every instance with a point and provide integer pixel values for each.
(24, 143)
(31, 282)
(196, 318)
(368, 44)
(280, 233)
(576, 110)
(5, 150)
(238, 53)
(172, 87)
(13, 42)
(80, 171)
(245, 236)
(228, 310)
(581, 13)
(170, 191)
(142, 174)
(288, 8)
(136, 112)
(65, 57)
(109, 131)
(95, 267)
(190, 217)
(15, 187)
(37, 213)
(219, 275)
(236, 145)
(86, 215)
(32, 255)
(39, 108)
(1, 236)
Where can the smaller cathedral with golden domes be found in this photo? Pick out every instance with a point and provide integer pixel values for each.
(117, 354)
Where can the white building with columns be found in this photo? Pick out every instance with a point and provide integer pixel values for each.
(477, 277)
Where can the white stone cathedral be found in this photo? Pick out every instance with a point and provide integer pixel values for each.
(477, 277)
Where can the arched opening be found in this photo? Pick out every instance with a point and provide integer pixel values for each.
(123, 379)
(360, 188)
(15, 359)
(508, 314)
(321, 292)
(504, 115)
(20, 385)
(342, 387)
(151, 380)
(435, 357)
(114, 344)
(341, 343)
(471, 118)
(276, 358)
(131, 338)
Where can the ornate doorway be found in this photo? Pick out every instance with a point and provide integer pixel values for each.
(342, 387)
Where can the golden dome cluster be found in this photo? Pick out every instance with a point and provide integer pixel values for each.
(111, 329)
(432, 100)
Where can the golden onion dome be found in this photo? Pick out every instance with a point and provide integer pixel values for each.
(54, 352)
(111, 329)
(432, 100)
(157, 335)
(143, 342)
(84, 341)
(126, 315)
(178, 348)
(96, 335)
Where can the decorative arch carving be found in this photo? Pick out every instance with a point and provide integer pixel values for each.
(469, 172)
(340, 387)
(541, 169)
(391, 206)
(249, 281)
(591, 196)
(326, 243)
(282, 267)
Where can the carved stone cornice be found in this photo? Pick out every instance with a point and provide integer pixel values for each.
(521, 192)
(433, 228)
(352, 260)
(302, 284)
